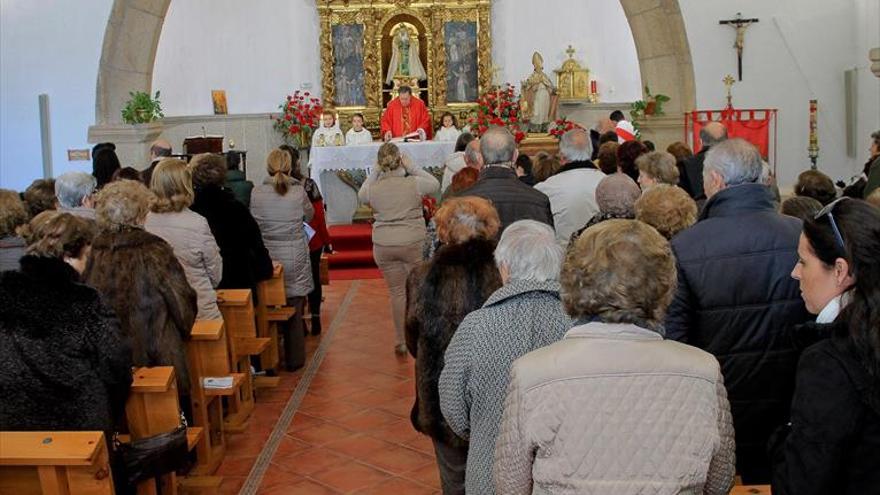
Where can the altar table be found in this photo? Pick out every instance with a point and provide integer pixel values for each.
(363, 156)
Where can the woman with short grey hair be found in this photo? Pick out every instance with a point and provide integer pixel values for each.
(139, 276)
(523, 315)
(74, 192)
(613, 407)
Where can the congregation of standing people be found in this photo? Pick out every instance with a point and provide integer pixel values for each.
(614, 319)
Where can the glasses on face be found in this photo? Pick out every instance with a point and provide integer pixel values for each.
(829, 210)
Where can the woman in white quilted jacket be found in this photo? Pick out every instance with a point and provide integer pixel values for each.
(613, 407)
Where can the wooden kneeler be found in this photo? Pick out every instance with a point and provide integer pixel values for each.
(54, 463)
(208, 356)
(271, 310)
(237, 308)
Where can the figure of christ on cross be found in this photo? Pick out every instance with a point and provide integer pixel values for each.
(740, 25)
(404, 116)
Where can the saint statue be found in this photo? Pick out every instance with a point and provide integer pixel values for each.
(405, 57)
(537, 92)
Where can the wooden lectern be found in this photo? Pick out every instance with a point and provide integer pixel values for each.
(203, 144)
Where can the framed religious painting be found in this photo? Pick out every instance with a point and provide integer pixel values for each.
(462, 81)
(348, 65)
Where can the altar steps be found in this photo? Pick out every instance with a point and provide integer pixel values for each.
(353, 252)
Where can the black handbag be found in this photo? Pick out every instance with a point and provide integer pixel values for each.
(153, 456)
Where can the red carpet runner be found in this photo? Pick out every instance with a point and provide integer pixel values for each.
(353, 257)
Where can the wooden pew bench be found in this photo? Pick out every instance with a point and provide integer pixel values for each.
(208, 356)
(750, 490)
(54, 463)
(271, 310)
(153, 408)
(237, 308)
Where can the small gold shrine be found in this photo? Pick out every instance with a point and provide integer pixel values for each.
(573, 81)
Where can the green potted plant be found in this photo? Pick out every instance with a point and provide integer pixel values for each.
(651, 105)
(142, 109)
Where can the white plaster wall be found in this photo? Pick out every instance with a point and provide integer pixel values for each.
(277, 52)
(596, 29)
(257, 51)
(52, 47)
(798, 51)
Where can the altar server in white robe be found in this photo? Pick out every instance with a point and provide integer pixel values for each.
(357, 134)
(329, 134)
(447, 131)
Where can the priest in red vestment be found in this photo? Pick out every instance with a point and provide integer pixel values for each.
(404, 116)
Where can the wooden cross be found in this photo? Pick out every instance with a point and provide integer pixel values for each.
(740, 25)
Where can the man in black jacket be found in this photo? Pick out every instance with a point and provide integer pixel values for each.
(498, 182)
(691, 177)
(736, 297)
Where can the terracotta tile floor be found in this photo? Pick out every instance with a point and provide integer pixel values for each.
(351, 433)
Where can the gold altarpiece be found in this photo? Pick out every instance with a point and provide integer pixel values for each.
(453, 43)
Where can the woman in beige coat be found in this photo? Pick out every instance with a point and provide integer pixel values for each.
(280, 206)
(394, 190)
(613, 407)
(187, 232)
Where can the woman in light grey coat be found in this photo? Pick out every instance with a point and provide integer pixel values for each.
(613, 407)
(280, 206)
(187, 232)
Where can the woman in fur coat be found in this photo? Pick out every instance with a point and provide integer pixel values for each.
(440, 293)
(64, 364)
(139, 276)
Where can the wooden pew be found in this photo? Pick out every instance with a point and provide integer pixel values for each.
(271, 310)
(153, 408)
(237, 308)
(54, 463)
(750, 490)
(208, 356)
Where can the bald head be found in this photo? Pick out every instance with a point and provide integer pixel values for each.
(498, 147)
(472, 156)
(575, 146)
(713, 133)
(605, 125)
(160, 148)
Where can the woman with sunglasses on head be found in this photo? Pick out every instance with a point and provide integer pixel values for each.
(832, 444)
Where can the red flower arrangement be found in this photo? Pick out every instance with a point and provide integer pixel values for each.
(561, 126)
(499, 107)
(300, 116)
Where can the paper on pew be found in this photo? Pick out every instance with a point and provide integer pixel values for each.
(217, 382)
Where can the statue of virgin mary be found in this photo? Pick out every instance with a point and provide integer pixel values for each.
(405, 57)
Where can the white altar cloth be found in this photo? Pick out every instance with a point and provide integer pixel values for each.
(363, 156)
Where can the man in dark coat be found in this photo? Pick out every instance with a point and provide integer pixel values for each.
(736, 297)
(691, 177)
(159, 150)
(498, 182)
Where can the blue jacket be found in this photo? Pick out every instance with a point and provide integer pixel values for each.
(736, 299)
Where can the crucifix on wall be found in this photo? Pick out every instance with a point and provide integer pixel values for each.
(740, 25)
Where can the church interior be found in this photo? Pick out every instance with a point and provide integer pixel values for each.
(439, 247)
